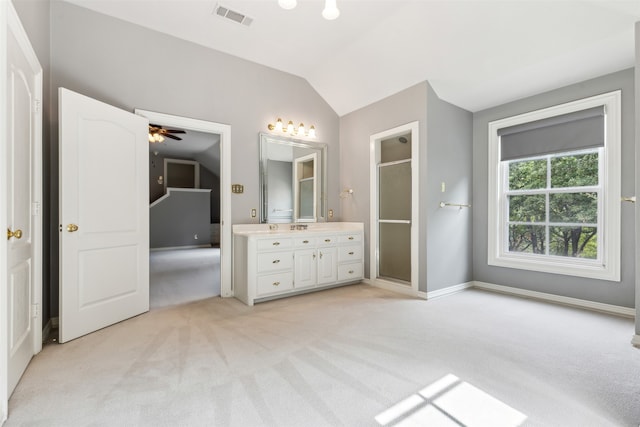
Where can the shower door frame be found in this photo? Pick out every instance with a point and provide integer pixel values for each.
(374, 145)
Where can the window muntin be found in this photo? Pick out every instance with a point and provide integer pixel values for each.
(553, 204)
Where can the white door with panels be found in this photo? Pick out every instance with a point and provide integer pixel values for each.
(23, 166)
(104, 215)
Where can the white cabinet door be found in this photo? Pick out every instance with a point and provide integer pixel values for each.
(327, 264)
(305, 268)
(104, 215)
(23, 189)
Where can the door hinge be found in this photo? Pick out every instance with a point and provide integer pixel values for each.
(35, 310)
(35, 208)
(37, 105)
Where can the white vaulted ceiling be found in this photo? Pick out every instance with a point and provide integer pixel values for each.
(475, 53)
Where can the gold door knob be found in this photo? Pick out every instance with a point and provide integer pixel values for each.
(17, 234)
(71, 228)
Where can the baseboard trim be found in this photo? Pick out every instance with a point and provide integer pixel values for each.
(636, 340)
(450, 290)
(574, 302)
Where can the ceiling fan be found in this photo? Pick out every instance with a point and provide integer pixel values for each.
(157, 133)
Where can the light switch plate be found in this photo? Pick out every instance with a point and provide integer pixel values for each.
(237, 188)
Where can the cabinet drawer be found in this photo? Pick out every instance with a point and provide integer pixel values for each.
(348, 238)
(304, 242)
(327, 240)
(350, 253)
(266, 244)
(274, 283)
(351, 271)
(272, 261)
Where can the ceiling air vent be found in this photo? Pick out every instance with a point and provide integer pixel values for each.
(237, 17)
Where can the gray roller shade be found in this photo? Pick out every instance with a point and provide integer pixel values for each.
(569, 132)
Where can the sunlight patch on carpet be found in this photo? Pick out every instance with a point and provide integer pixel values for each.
(450, 401)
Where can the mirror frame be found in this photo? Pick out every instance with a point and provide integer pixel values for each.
(321, 149)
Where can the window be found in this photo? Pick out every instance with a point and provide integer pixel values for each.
(554, 189)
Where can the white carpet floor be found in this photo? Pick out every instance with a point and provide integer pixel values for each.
(183, 275)
(342, 357)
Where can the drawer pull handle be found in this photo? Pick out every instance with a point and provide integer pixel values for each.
(327, 240)
(276, 283)
(305, 241)
(350, 271)
(350, 237)
(276, 243)
(275, 261)
(350, 253)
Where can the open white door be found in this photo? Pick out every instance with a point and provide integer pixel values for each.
(23, 195)
(104, 215)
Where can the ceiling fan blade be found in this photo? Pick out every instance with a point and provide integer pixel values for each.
(174, 131)
(168, 135)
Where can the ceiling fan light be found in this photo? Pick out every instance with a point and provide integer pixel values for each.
(151, 138)
(330, 11)
(287, 4)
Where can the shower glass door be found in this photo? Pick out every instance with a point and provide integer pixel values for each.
(394, 210)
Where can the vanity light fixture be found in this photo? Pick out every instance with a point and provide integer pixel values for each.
(330, 11)
(291, 130)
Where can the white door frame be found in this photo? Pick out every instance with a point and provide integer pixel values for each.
(9, 21)
(4, 312)
(225, 182)
(374, 147)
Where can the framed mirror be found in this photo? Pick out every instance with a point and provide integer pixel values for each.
(293, 180)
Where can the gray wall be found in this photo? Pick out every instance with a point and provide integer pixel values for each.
(355, 129)
(108, 59)
(444, 154)
(35, 17)
(449, 160)
(622, 293)
(176, 220)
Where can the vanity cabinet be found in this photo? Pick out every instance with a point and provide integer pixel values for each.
(275, 264)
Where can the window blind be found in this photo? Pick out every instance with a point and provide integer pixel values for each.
(568, 132)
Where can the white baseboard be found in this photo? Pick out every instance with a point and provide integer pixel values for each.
(449, 290)
(636, 340)
(575, 302)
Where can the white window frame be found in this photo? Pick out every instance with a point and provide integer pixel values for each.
(607, 266)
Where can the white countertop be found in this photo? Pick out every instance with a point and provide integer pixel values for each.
(285, 229)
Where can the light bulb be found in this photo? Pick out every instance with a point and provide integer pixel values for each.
(330, 11)
(301, 129)
(279, 125)
(312, 132)
(290, 127)
(287, 4)
(151, 138)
